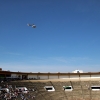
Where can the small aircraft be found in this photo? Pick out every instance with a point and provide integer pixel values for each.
(33, 25)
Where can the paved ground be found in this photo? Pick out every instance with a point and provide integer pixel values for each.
(85, 79)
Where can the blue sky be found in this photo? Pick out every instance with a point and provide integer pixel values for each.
(67, 36)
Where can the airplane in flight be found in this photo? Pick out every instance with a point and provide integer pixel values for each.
(33, 25)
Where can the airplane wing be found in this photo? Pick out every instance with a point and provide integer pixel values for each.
(33, 26)
(29, 24)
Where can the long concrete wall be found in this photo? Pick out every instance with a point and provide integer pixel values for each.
(95, 76)
(14, 75)
(63, 77)
(32, 76)
(58, 76)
